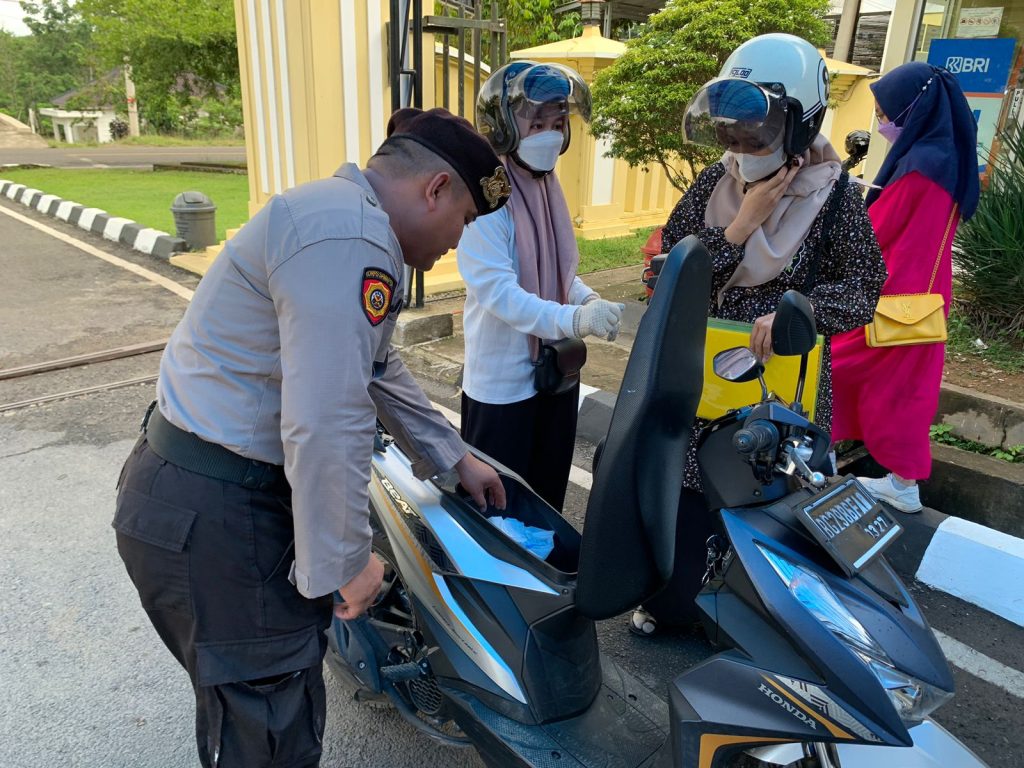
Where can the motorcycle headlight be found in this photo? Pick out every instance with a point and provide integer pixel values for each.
(814, 595)
(913, 699)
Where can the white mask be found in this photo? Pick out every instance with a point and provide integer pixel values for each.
(540, 151)
(756, 167)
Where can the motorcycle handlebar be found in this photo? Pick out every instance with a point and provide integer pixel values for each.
(759, 436)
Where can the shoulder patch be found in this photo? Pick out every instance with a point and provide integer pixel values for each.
(377, 290)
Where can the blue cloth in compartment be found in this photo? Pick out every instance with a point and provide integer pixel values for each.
(538, 541)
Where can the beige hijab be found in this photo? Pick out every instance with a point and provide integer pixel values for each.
(772, 246)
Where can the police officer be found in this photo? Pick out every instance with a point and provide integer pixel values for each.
(244, 505)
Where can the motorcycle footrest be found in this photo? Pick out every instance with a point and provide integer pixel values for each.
(402, 672)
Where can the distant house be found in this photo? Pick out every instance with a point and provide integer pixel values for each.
(91, 120)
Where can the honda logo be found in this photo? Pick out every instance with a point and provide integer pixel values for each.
(964, 64)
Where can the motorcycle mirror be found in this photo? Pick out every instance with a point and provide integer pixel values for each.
(738, 364)
(794, 333)
(793, 330)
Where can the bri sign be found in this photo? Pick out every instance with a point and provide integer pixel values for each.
(981, 66)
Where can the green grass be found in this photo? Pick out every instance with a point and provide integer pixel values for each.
(613, 252)
(943, 433)
(143, 196)
(1003, 352)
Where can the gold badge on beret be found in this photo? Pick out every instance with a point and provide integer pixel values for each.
(496, 187)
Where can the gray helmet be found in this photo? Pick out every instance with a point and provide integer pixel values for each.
(524, 86)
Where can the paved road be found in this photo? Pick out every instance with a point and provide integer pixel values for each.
(86, 681)
(121, 156)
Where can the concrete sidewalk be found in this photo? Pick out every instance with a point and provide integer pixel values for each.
(971, 549)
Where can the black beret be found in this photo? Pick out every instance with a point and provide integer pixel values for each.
(457, 142)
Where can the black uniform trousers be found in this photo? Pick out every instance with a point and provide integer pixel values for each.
(211, 560)
(534, 438)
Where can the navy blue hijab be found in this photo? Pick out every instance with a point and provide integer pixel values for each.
(939, 138)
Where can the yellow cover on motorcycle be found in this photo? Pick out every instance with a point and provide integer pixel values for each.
(780, 373)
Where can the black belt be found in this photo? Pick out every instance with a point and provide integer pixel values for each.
(191, 452)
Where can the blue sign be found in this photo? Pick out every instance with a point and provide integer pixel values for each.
(980, 65)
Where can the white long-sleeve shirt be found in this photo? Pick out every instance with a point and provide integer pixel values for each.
(500, 316)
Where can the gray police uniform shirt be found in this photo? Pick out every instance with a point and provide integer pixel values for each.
(275, 360)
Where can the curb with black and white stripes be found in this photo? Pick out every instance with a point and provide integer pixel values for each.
(972, 562)
(125, 231)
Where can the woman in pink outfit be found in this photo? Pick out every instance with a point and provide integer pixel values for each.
(888, 396)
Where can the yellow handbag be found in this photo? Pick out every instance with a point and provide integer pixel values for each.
(911, 318)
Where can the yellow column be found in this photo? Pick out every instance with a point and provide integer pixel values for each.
(314, 92)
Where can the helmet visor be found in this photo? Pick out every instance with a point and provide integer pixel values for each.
(735, 115)
(549, 89)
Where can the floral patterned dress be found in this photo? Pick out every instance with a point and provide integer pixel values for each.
(850, 275)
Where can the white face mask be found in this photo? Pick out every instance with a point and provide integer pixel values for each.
(756, 167)
(540, 151)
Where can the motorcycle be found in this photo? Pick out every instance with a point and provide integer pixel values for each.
(824, 659)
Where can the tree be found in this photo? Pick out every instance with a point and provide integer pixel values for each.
(639, 100)
(534, 22)
(55, 58)
(180, 50)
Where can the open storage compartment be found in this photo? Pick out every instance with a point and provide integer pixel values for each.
(524, 505)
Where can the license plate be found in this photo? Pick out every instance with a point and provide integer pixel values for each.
(850, 524)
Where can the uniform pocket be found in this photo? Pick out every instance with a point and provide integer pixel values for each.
(235, 661)
(153, 541)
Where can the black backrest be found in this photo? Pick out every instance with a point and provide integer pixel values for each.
(628, 548)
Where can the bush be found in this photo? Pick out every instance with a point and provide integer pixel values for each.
(989, 249)
(118, 129)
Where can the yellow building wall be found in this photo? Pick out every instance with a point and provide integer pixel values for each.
(854, 111)
(315, 92)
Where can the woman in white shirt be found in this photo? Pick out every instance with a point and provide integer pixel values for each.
(519, 265)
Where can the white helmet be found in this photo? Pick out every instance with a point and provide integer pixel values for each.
(772, 87)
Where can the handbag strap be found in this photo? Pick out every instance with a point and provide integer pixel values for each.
(829, 223)
(942, 247)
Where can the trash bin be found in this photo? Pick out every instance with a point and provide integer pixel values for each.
(195, 219)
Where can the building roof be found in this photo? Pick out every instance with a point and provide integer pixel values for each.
(590, 44)
(97, 89)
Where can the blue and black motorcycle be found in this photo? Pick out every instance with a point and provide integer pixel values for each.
(824, 658)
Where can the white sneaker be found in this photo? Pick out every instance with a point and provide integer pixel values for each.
(905, 498)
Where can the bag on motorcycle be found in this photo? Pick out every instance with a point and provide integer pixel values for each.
(557, 368)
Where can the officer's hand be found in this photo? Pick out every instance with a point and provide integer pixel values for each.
(360, 592)
(597, 318)
(481, 482)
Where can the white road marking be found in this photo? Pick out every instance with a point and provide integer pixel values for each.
(153, 277)
(976, 563)
(980, 665)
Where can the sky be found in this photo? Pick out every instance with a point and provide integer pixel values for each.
(10, 17)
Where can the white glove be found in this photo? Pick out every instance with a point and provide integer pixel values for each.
(597, 318)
